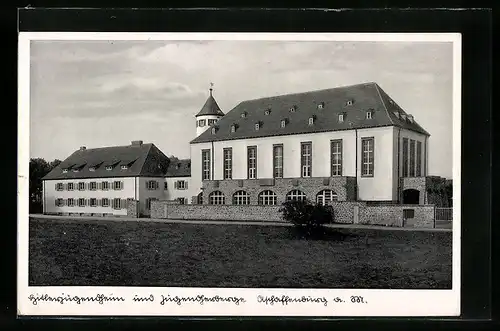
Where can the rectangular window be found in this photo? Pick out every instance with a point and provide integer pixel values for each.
(419, 159)
(165, 186)
(228, 163)
(252, 162)
(105, 202)
(306, 159)
(92, 186)
(201, 123)
(182, 201)
(71, 202)
(278, 161)
(117, 185)
(105, 186)
(81, 186)
(367, 150)
(405, 157)
(205, 164)
(81, 202)
(412, 158)
(59, 187)
(71, 186)
(117, 203)
(180, 185)
(336, 152)
(59, 202)
(93, 202)
(152, 185)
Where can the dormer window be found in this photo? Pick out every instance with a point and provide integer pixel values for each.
(410, 118)
(257, 126)
(214, 130)
(403, 116)
(124, 167)
(349, 102)
(397, 114)
(283, 123)
(321, 105)
(92, 169)
(341, 118)
(76, 170)
(109, 168)
(267, 112)
(65, 171)
(311, 120)
(293, 109)
(368, 115)
(234, 127)
(244, 114)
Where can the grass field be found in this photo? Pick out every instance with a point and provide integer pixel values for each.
(112, 253)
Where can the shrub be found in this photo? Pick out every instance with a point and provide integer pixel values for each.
(307, 217)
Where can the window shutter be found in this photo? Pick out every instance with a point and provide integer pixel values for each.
(121, 185)
(63, 202)
(66, 186)
(124, 204)
(56, 186)
(175, 185)
(186, 185)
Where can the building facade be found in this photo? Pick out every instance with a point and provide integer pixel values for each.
(100, 181)
(348, 144)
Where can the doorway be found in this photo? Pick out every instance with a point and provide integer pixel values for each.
(411, 197)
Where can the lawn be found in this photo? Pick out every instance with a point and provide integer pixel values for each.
(114, 253)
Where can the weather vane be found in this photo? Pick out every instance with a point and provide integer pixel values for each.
(211, 87)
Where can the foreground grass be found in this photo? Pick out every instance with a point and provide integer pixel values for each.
(112, 253)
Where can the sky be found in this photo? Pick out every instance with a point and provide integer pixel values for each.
(108, 93)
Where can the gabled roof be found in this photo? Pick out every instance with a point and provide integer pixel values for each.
(296, 109)
(179, 168)
(143, 160)
(210, 107)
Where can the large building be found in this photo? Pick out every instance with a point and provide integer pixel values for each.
(351, 143)
(348, 143)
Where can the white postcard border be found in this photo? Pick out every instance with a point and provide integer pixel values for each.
(377, 302)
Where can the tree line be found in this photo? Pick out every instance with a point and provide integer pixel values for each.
(38, 169)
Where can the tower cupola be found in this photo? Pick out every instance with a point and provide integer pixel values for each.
(209, 114)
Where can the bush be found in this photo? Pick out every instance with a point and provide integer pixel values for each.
(307, 217)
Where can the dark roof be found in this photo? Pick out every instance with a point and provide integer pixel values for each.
(210, 107)
(179, 168)
(365, 97)
(144, 160)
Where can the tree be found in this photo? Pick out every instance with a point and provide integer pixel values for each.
(38, 169)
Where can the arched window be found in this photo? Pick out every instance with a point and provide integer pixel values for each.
(267, 198)
(241, 198)
(325, 196)
(216, 198)
(295, 195)
(200, 198)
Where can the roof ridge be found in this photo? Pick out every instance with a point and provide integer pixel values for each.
(106, 147)
(311, 91)
(378, 88)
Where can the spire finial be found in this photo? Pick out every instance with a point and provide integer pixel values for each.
(211, 88)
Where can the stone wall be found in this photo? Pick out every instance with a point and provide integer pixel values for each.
(345, 187)
(394, 215)
(132, 208)
(390, 215)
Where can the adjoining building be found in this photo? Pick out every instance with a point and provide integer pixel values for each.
(100, 181)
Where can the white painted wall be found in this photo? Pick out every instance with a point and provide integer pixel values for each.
(173, 193)
(143, 193)
(380, 187)
(50, 194)
(201, 129)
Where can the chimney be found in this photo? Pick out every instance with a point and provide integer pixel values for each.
(137, 143)
(82, 148)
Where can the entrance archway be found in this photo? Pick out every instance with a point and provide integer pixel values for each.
(411, 196)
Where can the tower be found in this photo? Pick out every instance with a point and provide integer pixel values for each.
(209, 114)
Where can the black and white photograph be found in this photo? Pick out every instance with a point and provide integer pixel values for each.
(239, 174)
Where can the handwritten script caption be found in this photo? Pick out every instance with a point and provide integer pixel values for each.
(201, 299)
